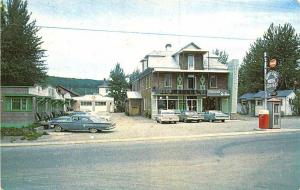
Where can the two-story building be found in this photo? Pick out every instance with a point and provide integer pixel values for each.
(188, 79)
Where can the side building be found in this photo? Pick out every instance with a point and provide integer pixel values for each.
(24, 105)
(188, 79)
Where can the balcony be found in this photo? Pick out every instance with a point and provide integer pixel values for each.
(182, 92)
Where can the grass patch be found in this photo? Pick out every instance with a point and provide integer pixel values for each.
(27, 133)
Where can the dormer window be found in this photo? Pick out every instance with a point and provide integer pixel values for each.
(191, 64)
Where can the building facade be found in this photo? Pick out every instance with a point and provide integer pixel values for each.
(252, 103)
(188, 79)
(22, 105)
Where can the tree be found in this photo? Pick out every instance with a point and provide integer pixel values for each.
(280, 42)
(223, 56)
(133, 76)
(118, 87)
(22, 60)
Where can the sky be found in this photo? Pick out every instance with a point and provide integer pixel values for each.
(230, 25)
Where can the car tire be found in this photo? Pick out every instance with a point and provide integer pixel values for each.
(223, 120)
(93, 130)
(174, 122)
(57, 128)
(198, 121)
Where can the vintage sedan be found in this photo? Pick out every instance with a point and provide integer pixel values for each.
(167, 116)
(189, 116)
(81, 123)
(215, 115)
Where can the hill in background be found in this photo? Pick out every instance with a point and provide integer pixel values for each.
(81, 86)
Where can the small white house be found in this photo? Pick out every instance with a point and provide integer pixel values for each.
(94, 103)
(256, 101)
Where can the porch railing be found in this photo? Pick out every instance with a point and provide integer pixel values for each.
(176, 91)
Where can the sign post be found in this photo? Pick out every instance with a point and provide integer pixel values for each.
(265, 85)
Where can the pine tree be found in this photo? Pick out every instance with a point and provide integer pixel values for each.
(21, 53)
(118, 87)
(223, 56)
(133, 76)
(280, 42)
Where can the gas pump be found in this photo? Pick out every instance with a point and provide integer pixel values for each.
(274, 107)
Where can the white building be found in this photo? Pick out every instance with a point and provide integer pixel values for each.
(94, 103)
(252, 103)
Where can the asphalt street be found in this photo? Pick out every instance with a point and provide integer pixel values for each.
(248, 162)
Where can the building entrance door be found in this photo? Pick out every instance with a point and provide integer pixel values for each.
(191, 103)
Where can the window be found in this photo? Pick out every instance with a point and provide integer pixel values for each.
(100, 103)
(168, 80)
(191, 62)
(86, 103)
(213, 81)
(191, 82)
(18, 104)
(259, 102)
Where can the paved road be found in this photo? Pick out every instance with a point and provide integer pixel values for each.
(252, 162)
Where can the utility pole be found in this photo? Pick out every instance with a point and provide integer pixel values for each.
(265, 83)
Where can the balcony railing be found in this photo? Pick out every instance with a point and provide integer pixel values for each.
(176, 91)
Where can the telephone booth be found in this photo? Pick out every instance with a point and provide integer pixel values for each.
(274, 107)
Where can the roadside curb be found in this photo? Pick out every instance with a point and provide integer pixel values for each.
(159, 138)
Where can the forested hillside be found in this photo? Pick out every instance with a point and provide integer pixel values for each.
(81, 86)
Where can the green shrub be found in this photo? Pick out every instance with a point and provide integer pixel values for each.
(27, 132)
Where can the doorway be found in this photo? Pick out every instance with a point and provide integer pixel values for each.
(191, 103)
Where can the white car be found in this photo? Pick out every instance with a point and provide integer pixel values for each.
(167, 116)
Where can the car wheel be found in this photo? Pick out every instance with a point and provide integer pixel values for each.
(223, 120)
(57, 128)
(174, 122)
(198, 121)
(93, 130)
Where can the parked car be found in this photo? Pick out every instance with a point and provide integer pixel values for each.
(81, 122)
(189, 116)
(215, 115)
(167, 116)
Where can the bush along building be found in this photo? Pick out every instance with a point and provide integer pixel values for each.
(188, 79)
(24, 105)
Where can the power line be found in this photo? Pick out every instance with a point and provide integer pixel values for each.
(145, 33)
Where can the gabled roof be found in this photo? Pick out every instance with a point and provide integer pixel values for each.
(280, 93)
(190, 44)
(284, 93)
(247, 96)
(72, 93)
